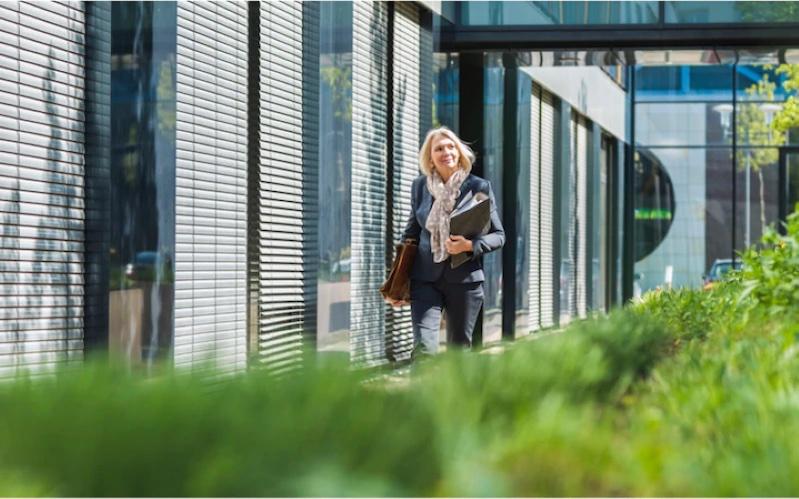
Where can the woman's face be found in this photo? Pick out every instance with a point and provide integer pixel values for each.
(445, 155)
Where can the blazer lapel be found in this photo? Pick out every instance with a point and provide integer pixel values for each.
(465, 187)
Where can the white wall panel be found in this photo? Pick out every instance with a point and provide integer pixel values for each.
(547, 203)
(369, 158)
(285, 183)
(42, 82)
(211, 185)
(534, 246)
(407, 107)
(582, 273)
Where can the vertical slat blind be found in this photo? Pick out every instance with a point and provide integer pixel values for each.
(534, 247)
(369, 111)
(211, 185)
(287, 201)
(582, 216)
(406, 115)
(570, 252)
(547, 207)
(42, 74)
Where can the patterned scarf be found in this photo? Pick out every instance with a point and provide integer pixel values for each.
(438, 221)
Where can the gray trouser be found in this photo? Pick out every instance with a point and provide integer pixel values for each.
(462, 303)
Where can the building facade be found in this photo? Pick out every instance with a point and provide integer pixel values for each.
(222, 183)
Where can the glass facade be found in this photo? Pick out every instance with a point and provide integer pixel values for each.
(617, 168)
(553, 162)
(446, 94)
(521, 180)
(790, 165)
(335, 176)
(482, 13)
(571, 13)
(719, 199)
(731, 12)
(142, 180)
(493, 166)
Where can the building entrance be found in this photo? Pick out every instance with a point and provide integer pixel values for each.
(618, 172)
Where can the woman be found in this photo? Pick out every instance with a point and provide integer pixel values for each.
(446, 163)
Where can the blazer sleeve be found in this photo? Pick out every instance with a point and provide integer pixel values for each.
(495, 237)
(412, 227)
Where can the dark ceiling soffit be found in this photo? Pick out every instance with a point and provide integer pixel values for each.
(623, 36)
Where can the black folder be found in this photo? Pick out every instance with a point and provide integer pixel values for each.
(471, 218)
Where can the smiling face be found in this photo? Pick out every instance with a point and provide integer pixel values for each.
(445, 156)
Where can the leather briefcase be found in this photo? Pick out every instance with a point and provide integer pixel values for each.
(398, 285)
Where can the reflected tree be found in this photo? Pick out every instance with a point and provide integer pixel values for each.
(755, 127)
(759, 11)
(788, 117)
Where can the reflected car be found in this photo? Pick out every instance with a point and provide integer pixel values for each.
(144, 266)
(340, 270)
(717, 271)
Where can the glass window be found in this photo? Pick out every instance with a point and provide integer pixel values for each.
(488, 13)
(446, 90)
(657, 80)
(791, 166)
(731, 12)
(601, 226)
(668, 124)
(757, 191)
(761, 82)
(683, 83)
(522, 232)
(335, 150)
(142, 180)
(683, 214)
(493, 99)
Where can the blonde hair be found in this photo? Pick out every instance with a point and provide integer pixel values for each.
(465, 154)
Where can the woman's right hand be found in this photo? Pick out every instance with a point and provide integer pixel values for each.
(397, 303)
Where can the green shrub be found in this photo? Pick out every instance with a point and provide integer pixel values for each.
(686, 393)
(101, 432)
(770, 274)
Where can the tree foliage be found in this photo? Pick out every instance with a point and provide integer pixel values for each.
(788, 116)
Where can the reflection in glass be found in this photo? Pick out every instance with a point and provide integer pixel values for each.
(493, 99)
(599, 230)
(522, 231)
(690, 231)
(495, 13)
(683, 84)
(446, 90)
(756, 203)
(335, 152)
(757, 163)
(142, 240)
(791, 181)
(731, 12)
(654, 203)
(762, 83)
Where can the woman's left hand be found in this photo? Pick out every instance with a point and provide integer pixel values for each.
(458, 244)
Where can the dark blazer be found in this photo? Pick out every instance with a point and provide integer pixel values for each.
(424, 269)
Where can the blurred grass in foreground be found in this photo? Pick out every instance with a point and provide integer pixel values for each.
(685, 393)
